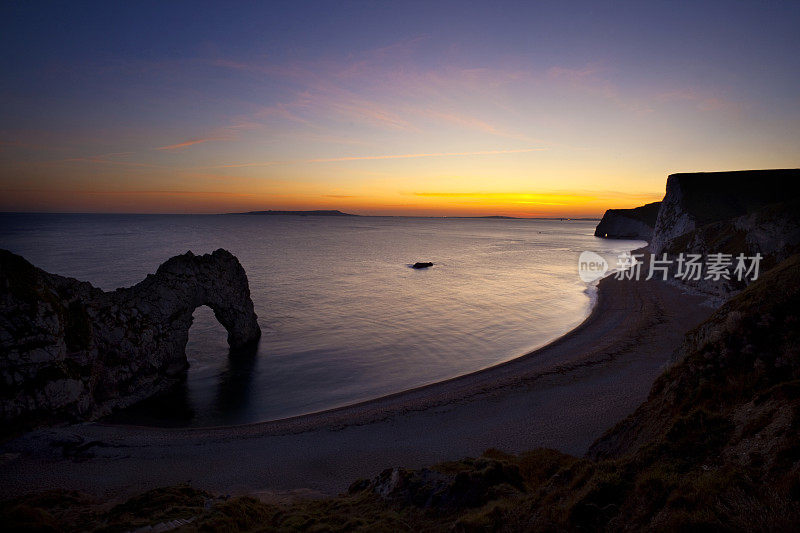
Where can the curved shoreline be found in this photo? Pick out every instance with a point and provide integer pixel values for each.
(350, 412)
(562, 395)
(358, 405)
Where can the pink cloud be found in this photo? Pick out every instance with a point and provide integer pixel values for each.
(115, 158)
(434, 154)
(227, 133)
(580, 75)
(701, 100)
(384, 156)
(190, 142)
(473, 123)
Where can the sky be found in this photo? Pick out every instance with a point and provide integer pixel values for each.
(530, 109)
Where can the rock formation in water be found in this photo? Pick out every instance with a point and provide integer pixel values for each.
(697, 199)
(71, 351)
(637, 223)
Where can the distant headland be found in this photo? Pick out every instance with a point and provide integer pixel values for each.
(316, 213)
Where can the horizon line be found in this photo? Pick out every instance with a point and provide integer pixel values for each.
(298, 212)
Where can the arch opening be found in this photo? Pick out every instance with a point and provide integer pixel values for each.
(207, 345)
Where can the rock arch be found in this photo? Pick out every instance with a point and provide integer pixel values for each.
(72, 351)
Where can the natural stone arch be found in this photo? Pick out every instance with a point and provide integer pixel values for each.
(75, 351)
(186, 282)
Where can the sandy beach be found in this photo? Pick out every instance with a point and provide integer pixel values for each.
(561, 396)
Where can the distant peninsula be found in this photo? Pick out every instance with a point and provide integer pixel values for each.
(316, 213)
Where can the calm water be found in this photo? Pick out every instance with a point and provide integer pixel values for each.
(343, 316)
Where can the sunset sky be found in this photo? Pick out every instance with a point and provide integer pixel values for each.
(405, 108)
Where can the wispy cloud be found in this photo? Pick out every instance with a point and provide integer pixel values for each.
(132, 192)
(283, 111)
(701, 100)
(475, 124)
(434, 154)
(115, 158)
(190, 142)
(16, 144)
(383, 156)
(518, 198)
(542, 197)
(597, 80)
(226, 133)
(101, 158)
(246, 165)
(382, 88)
(364, 110)
(584, 74)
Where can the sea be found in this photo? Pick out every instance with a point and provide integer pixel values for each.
(344, 317)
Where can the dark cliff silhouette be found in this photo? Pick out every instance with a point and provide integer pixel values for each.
(74, 352)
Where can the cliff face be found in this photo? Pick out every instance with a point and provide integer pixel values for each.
(74, 352)
(697, 199)
(736, 379)
(773, 232)
(635, 223)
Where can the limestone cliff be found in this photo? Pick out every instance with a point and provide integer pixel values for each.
(734, 385)
(637, 223)
(70, 351)
(773, 232)
(697, 199)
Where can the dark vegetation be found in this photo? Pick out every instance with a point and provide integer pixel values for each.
(714, 448)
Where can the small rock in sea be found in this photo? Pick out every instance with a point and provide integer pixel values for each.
(422, 265)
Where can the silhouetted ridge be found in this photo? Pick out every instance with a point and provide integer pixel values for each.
(316, 213)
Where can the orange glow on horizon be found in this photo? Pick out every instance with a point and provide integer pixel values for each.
(426, 119)
(546, 204)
